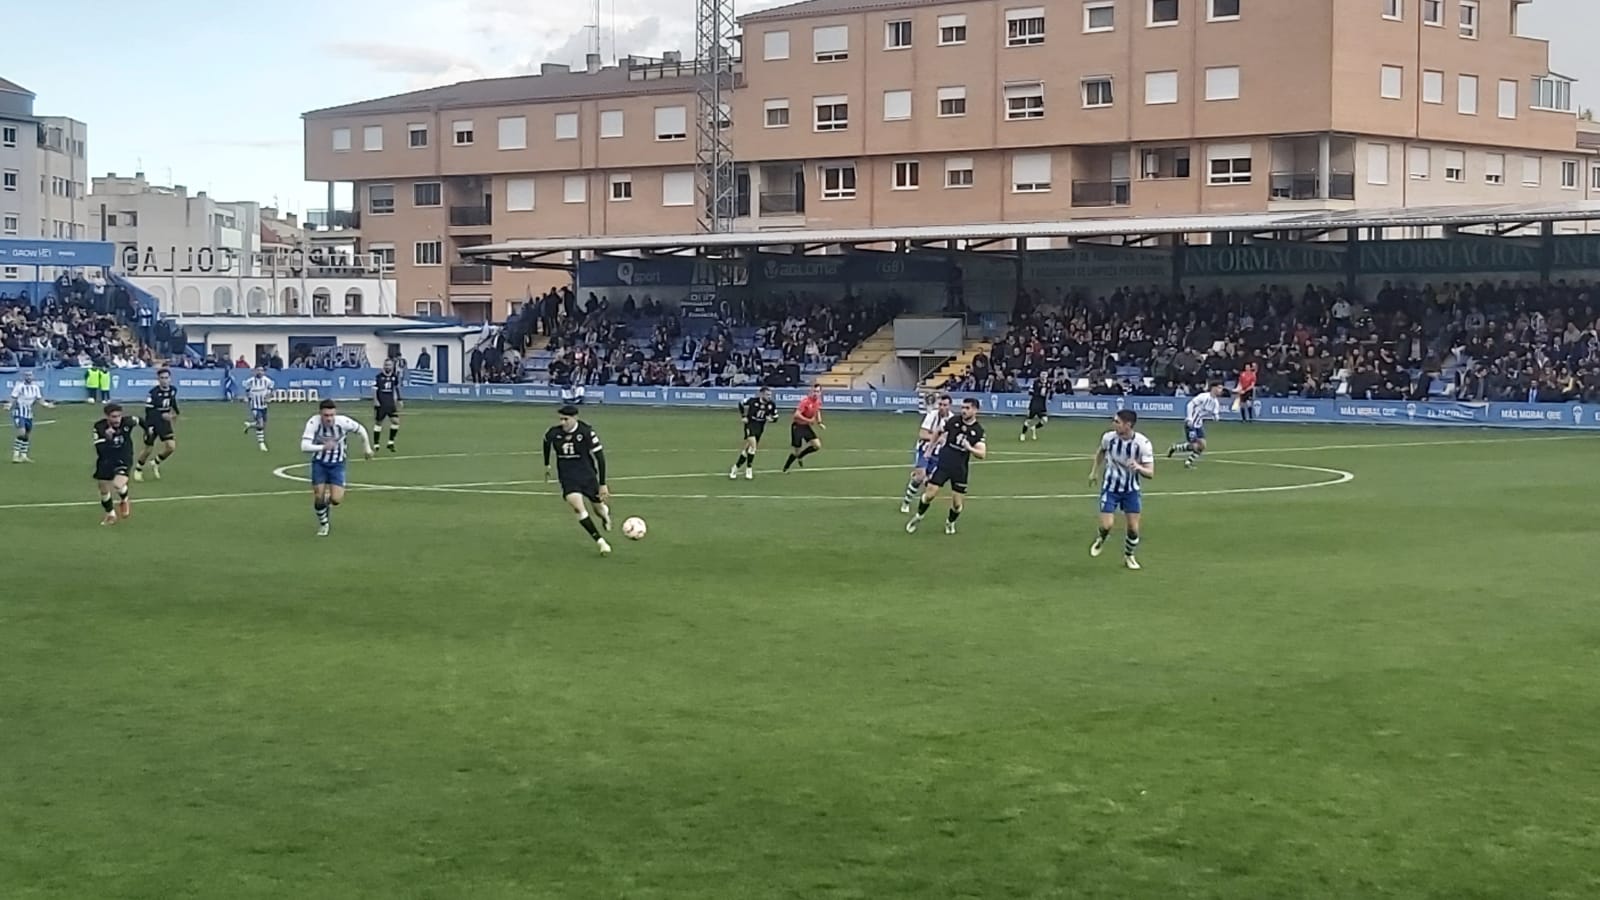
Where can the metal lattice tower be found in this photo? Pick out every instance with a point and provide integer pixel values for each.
(713, 53)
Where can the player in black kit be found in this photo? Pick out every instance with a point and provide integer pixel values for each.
(962, 440)
(1038, 406)
(113, 457)
(160, 414)
(386, 404)
(581, 470)
(755, 413)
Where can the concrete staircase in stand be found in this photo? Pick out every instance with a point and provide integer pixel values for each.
(958, 364)
(870, 353)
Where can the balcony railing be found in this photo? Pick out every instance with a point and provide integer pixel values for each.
(471, 274)
(1308, 186)
(1115, 192)
(781, 204)
(332, 219)
(471, 216)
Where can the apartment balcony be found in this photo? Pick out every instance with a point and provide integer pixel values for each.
(1309, 186)
(781, 205)
(1113, 192)
(471, 216)
(333, 219)
(471, 274)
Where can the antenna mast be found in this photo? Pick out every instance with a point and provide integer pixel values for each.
(714, 58)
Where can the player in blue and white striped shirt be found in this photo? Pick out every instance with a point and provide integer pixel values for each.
(1201, 408)
(1128, 457)
(258, 389)
(324, 438)
(24, 395)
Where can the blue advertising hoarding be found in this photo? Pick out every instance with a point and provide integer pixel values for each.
(131, 385)
(60, 254)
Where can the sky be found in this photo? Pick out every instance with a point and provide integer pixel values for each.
(192, 96)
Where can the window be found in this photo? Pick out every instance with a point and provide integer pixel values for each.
(1455, 166)
(775, 45)
(1494, 168)
(8, 180)
(8, 136)
(1508, 99)
(416, 135)
(1030, 173)
(427, 193)
(958, 172)
(380, 199)
(519, 195)
(1551, 93)
(1467, 95)
(1432, 87)
(1164, 162)
(952, 101)
(1229, 164)
(907, 175)
(952, 30)
(9, 225)
(672, 123)
(897, 35)
(462, 132)
(1222, 83)
(1530, 171)
(1223, 11)
(621, 187)
(896, 105)
(677, 189)
(1024, 27)
(1594, 178)
(575, 189)
(427, 253)
(1377, 164)
(1469, 19)
(1569, 173)
(1161, 12)
(831, 113)
(341, 140)
(382, 255)
(830, 43)
(1394, 9)
(372, 137)
(1433, 12)
(839, 182)
(513, 133)
(1096, 91)
(1099, 16)
(566, 126)
(1390, 82)
(1419, 162)
(611, 123)
(777, 113)
(1160, 88)
(1024, 101)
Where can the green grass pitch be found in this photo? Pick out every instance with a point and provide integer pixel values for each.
(1359, 663)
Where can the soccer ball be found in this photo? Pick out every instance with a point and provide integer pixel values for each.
(633, 529)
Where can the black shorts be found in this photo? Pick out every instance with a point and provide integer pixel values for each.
(385, 409)
(953, 474)
(1247, 396)
(157, 428)
(754, 430)
(589, 487)
(109, 470)
(1037, 408)
(801, 435)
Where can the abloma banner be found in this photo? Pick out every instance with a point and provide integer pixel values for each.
(132, 385)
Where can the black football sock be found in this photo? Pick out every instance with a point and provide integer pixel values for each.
(105, 502)
(922, 507)
(394, 432)
(122, 494)
(1104, 532)
(954, 515)
(789, 463)
(1131, 544)
(588, 525)
(805, 453)
(163, 456)
(743, 458)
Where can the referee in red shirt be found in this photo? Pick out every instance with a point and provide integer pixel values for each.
(1247, 393)
(803, 440)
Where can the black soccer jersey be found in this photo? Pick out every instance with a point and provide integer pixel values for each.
(387, 385)
(954, 449)
(114, 443)
(161, 400)
(1041, 388)
(758, 411)
(579, 454)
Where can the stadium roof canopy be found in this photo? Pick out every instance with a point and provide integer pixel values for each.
(1498, 219)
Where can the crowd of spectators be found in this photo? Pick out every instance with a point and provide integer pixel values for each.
(766, 340)
(1475, 342)
(65, 334)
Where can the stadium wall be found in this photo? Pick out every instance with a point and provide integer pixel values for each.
(299, 385)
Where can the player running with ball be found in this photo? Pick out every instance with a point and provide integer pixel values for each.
(581, 469)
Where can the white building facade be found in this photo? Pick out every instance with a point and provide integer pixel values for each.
(162, 230)
(19, 164)
(63, 167)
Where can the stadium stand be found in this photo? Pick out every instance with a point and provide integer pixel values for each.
(1453, 340)
(65, 333)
